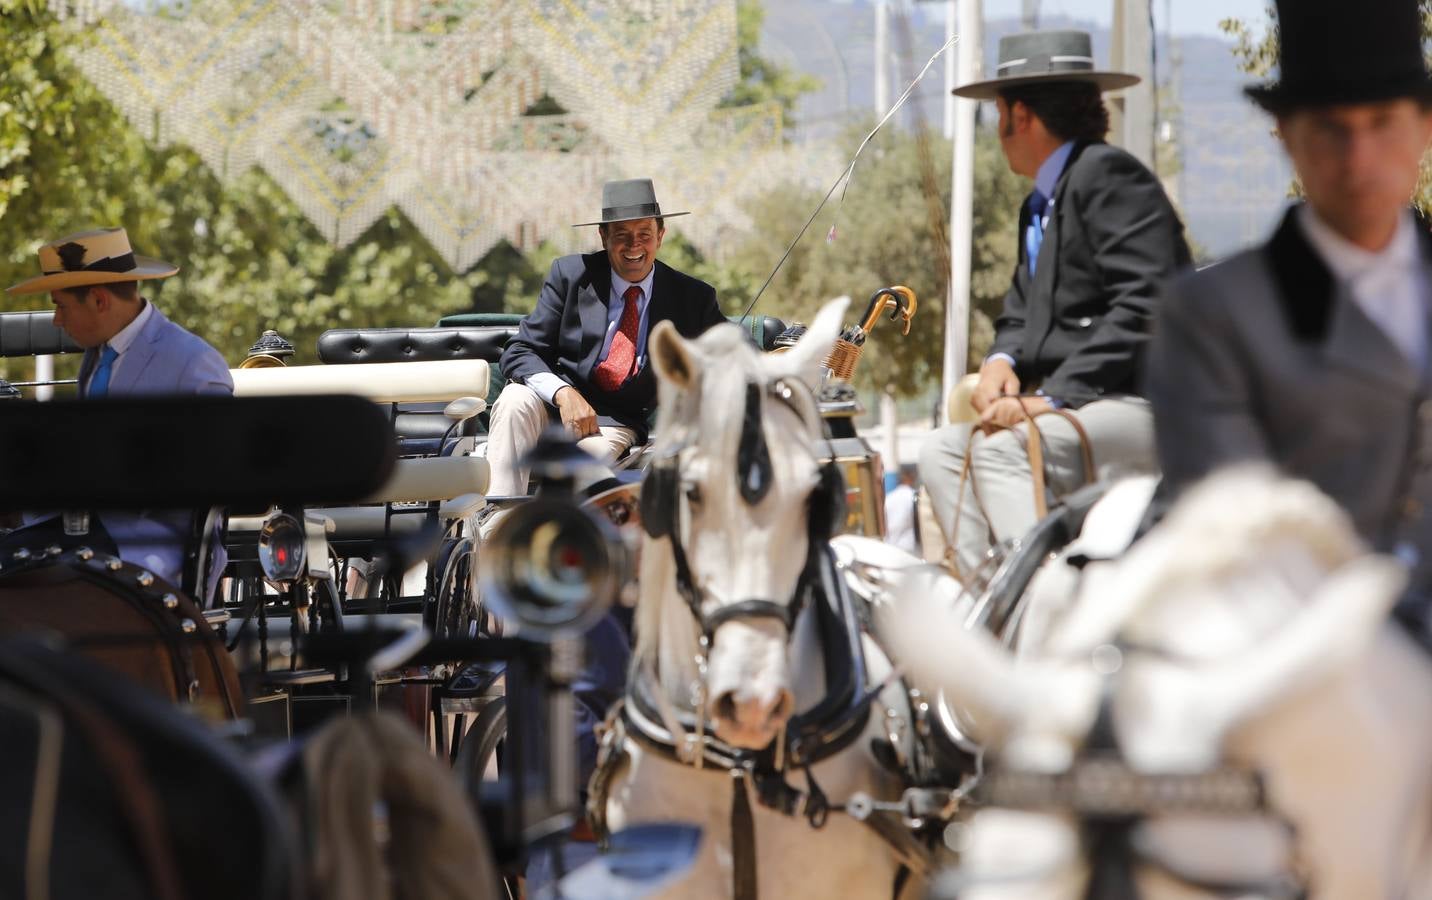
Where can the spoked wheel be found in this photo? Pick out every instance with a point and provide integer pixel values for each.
(453, 607)
(477, 754)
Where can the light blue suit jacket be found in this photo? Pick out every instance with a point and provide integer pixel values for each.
(164, 359)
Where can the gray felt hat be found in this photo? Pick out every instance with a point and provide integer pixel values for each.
(1045, 56)
(623, 201)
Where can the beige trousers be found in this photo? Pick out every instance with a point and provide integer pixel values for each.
(518, 418)
(1121, 434)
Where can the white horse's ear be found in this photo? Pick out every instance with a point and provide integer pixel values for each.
(804, 360)
(671, 357)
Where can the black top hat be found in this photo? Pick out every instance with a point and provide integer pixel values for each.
(1341, 51)
(623, 201)
(1042, 56)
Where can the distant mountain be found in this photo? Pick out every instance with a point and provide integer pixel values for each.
(1234, 179)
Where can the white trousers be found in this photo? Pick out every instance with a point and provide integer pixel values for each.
(1121, 435)
(518, 418)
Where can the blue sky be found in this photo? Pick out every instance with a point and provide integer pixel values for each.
(1188, 16)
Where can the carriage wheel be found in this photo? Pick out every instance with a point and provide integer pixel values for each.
(455, 610)
(479, 747)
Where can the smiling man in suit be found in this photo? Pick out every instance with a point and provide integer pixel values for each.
(131, 349)
(580, 357)
(1311, 352)
(1097, 237)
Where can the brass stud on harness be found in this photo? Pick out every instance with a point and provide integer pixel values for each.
(170, 601)
(187, 626)
(144, 579)
(54, 550)
(114, 564)
(84, 554)
(21, 555)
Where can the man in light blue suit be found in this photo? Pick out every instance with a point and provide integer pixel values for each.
(130, 349)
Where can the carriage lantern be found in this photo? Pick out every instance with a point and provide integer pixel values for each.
(270, 351)
(552, 567)
(859, 464)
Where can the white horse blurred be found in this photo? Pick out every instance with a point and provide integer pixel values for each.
(1249, 629)
(740, 435)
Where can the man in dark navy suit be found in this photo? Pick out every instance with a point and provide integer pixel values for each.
(580, 359)
(580, 356)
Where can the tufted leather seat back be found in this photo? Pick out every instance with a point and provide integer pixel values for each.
(384, 345)
(33, 334)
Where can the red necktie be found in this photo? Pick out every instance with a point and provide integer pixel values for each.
(621, 356)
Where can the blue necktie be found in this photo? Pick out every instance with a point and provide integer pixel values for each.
(99, 381)
(1034, 233)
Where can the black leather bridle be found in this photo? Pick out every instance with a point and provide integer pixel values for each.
(661, 500)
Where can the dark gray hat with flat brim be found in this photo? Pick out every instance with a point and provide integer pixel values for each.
(625, 201)
(1038, 57)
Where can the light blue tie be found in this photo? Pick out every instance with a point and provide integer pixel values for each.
(1034, 233)
(99, 381)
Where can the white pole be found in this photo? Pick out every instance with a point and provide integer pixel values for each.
(1133, 108)
(962, 203)
(882, 57)
(950, 7)
(44, 371)
(890, 425)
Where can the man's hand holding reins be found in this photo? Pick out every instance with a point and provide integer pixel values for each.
(1005, 412)
(997, 379)
(578, 417)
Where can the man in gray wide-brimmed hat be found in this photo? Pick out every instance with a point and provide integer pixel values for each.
(579, 358)
(1097, 236)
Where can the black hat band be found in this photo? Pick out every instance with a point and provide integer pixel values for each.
(638, 211)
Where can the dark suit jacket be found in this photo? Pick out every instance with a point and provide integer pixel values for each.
(1264, 358)
(1080, 326)
(564, 333)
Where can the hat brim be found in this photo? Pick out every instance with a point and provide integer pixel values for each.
(1278, 98)
(665, 215)
(145, 269)
(990, 88)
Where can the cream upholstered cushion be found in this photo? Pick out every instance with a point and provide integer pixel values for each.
(437, 478)
(401, 382)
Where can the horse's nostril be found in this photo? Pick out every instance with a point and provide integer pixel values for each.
(726, 707)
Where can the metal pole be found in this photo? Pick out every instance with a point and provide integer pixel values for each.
(890, 425)
(1133, 51)
(882, 57)
(44, 371)
(950, 13)
(957, 309)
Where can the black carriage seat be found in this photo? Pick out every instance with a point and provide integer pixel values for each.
(421, 426)
(33, 334)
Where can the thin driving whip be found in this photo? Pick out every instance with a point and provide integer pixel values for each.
(847, 175)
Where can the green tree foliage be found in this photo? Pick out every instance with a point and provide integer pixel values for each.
(882, 237)
(1257, 55)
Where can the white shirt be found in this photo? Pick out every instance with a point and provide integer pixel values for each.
(1390, 286)
(547, 384)
(900, 518)
(122, 341)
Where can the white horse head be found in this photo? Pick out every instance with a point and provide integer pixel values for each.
(740, 434)
(1252, 593)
